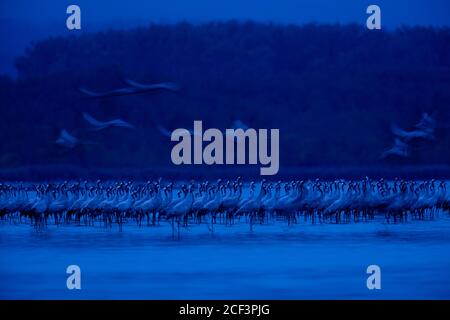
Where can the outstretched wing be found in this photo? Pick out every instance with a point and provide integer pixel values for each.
(170, 86)
(164, 131)
(66, 139)
(398, 131)
(89, 93)
(99, 125)
(111, 93)
(238, 124)
(91, 120)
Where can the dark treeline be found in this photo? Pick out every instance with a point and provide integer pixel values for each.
(333, 91)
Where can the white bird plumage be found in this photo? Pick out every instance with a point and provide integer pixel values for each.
(133, 88)
(100, 125)
(332, 200)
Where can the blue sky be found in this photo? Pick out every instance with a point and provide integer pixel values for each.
(26, 20)
(396, 12)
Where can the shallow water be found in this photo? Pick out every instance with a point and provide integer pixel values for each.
(304, 261)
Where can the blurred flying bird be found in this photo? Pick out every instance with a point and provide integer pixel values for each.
(134, 88)
(118, 92)
(427, 123)
(167, 133)
(67, 140)
(100, 125)
(238, 124)
(164, 131)
(399, 148)
(170, 86)
(424, 129)
(414, 134)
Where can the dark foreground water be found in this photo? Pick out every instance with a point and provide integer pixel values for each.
(304, 261)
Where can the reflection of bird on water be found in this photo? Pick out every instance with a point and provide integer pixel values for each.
(133, 88)
(399, 148)
(100, 125)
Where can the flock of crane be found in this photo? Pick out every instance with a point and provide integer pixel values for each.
(225, 202)
(69, 140)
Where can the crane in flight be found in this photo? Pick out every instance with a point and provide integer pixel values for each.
(399, 148)
(67, 140)
(133, 88)
(100, 125)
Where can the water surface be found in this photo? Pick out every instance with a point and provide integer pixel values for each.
(274, 261)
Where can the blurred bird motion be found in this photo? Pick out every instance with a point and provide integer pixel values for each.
(100, 125)
(237, 124)
(399, 148)
(132, 89)
(67, 140)
(424, 129)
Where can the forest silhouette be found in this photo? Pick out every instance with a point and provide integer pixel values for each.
(334, 92)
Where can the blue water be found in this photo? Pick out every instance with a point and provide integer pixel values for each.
(304, 261)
